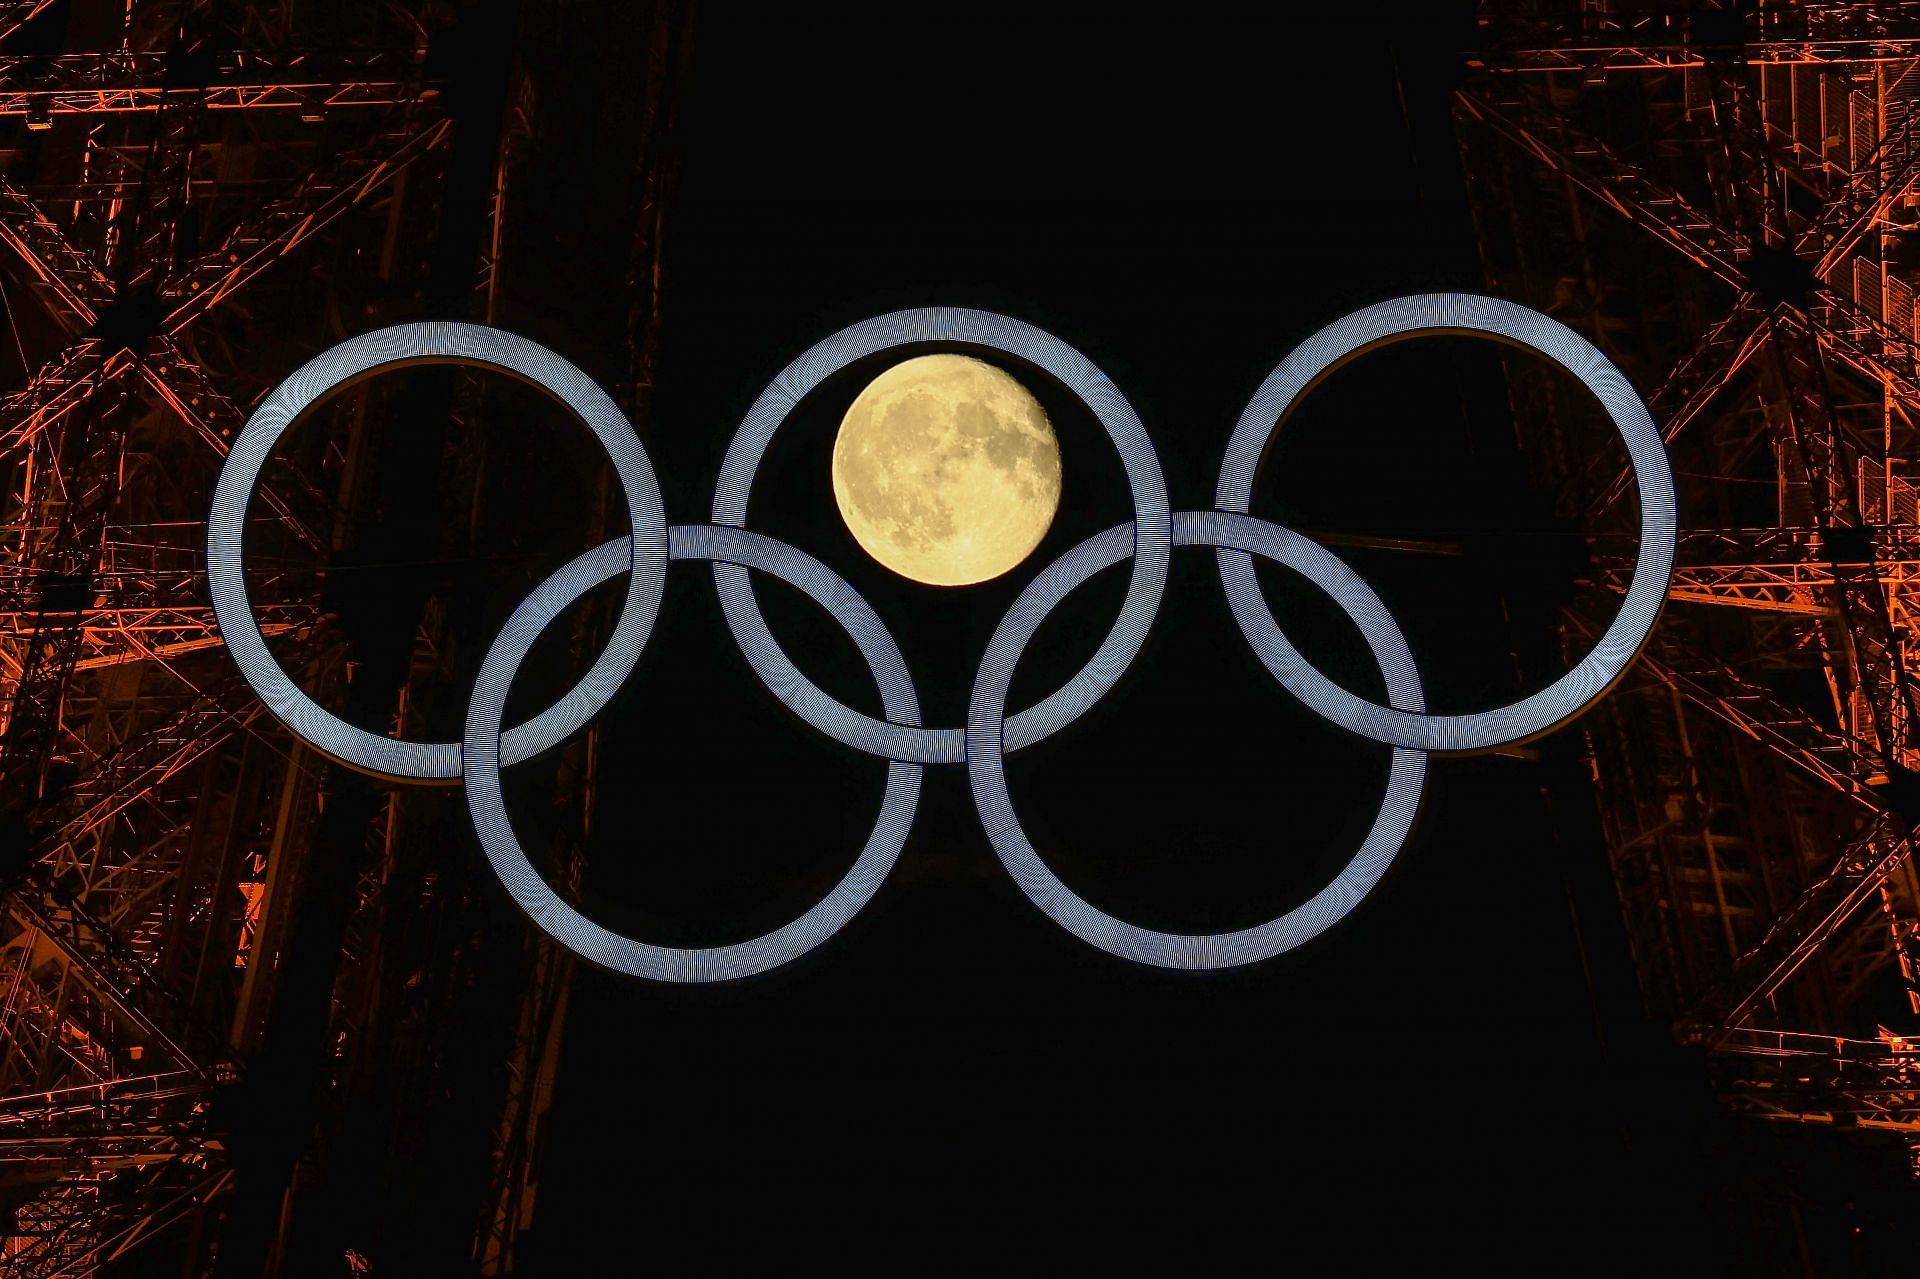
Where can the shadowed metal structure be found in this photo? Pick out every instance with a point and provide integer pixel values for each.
(196, 196)
(1758, 161)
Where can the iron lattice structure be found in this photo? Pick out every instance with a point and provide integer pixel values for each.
(194, 198)
(1758, 771)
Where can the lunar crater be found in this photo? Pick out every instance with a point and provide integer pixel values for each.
(946, 470)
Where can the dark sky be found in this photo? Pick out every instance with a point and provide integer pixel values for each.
(1459, 1067)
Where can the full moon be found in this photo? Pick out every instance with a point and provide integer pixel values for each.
(946, 470)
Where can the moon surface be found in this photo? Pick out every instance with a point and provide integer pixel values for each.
(946, 470)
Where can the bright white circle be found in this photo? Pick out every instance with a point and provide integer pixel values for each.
(481, 758)
(986, 767)
(431, 343)
(1454, 313)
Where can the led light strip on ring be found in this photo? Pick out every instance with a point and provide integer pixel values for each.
(989, 733)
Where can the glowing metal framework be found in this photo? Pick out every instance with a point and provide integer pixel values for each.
(1770, 892)
(989, 733)
(140, 796)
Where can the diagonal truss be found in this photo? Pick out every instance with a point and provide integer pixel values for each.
(1757, 155)
(143, 803)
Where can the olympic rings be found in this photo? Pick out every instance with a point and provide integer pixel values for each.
(989, 733)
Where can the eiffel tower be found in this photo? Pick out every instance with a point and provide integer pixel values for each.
(195, 197)
(1758, 773)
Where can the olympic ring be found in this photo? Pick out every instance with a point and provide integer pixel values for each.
(989, 734)
(480, 750)
(1430, 313)
(1011, 337)
(1406, 776)
(352, 361)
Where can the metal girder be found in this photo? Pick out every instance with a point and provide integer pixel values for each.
(1873, 651)
(1663, 37)
(16, 14)
(79, 283)
(68, 885)
(116, 81)
(1860, 340)
(1868, 346)
(1689, 389)
(1852, 212)
(79, 1225)
(1787, 544)
(1778, 569)
(56, 389)
(77, 286)
(282, 225)
(139, 1111)
(1824, 754)
(108, 959)
(1603, 174)
(1799, 184)
(1796, 589)
(1808, 1078)
(162, 751)
(1869, 647)
(1725, 349)
(1818, 913)
(88, 471)
(65, 885)
(1798, 340)
(146, 600)
(112, 970)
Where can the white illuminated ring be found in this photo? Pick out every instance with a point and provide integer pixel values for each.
(986, 769)
(1145, 482)
(357, 358)
(1454, 313)
(480, 753)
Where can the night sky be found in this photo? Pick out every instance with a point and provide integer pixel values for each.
(1460, 1068)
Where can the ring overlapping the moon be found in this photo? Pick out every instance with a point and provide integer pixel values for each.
(989, 734)
(983, 329)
